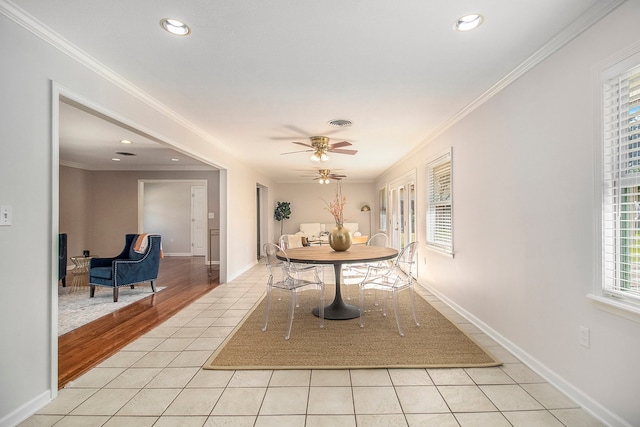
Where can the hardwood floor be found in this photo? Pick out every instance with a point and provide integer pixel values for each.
(186, 279)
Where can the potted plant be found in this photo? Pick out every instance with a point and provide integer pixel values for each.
(282, 212)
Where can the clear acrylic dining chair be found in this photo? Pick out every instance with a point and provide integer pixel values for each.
(395, 278)
(353, 274)
(291, 241)
(285, 276)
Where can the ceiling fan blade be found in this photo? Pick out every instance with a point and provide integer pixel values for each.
(340, 151)
(302, 143)
(341, 144)
(293, 152)
(337, 176)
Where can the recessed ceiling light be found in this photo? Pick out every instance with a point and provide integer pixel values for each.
(175, 160)
(126, 141)
(342, 123)
(115, 159)
(468, 22)
(175, 27)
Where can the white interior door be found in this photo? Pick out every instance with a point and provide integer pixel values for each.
(198, 220)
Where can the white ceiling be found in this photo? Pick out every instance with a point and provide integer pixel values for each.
(91, 141)
(257, 75)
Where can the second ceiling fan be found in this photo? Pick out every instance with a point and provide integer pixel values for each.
(324, 176)
(320, 146)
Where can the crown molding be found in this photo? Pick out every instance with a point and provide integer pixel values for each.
(28, 22)
(585, 21)
(589, 18)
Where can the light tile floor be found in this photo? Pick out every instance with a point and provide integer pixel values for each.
(158, 381)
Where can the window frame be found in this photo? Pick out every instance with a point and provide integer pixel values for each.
(613, 302)
(431, 218)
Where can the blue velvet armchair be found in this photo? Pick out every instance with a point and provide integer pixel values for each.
(128, 268)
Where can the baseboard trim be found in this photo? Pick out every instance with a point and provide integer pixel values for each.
(244, 270)
(587, 403)
(25, 411)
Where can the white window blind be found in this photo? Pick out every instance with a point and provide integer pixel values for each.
(621, 186)
(439, 206)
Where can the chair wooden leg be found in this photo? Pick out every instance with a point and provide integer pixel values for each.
(153, 286)
(92, 291)
(115, 294)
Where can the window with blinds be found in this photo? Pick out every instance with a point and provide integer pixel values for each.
(439, 206)
(621, 186)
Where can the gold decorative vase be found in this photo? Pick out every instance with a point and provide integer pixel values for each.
(340, 238)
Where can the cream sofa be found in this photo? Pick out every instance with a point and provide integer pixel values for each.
(315, 231)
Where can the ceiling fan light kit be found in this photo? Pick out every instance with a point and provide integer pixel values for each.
(319, 156)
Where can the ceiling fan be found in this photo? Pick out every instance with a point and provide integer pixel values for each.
(325, 176)
(320, 147)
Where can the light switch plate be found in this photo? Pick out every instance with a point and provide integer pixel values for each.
(6, 216)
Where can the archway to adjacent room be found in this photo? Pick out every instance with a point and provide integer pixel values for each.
(63, 98)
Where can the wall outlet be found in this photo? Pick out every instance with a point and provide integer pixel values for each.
(6, 215)
(212, 215)
(584, 337)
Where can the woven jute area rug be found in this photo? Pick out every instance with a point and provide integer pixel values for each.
(343, 344)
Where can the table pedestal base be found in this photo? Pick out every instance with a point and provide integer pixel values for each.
(338, 311)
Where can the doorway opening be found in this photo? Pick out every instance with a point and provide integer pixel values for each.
(74, 149)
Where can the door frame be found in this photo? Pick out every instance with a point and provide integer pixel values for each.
(205, 244)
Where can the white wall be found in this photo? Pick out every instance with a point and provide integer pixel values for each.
(26, 174)
(97, 208)
(526, 223)
(308, 204)
(167, 211)
(75, 200)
